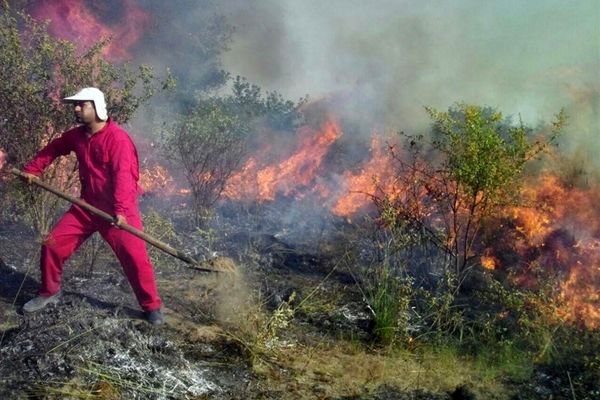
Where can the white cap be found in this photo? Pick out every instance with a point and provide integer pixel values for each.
(91, 94)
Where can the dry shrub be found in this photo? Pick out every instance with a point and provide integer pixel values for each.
(246, 321)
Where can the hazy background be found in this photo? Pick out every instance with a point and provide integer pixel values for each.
(384, 60)
(376, 63)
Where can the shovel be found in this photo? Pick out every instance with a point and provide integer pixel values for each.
(194, 264)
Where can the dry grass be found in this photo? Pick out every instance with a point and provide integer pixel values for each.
(291, 361)
(343, 369)
(292, 358)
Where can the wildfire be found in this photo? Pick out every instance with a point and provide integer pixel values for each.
(488, 262)
(156, 180)
(290, 176)
(559, 230)
(298, 174)
(375, 175)
(564, 228)
(580, 296)
(79, 22)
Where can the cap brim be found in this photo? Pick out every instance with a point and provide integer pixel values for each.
(74, 99)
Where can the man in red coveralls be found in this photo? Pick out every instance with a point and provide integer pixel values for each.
(108, 172)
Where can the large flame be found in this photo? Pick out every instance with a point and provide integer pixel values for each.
(74, 20)
(561, 231)
(298, 174)
(293, 175)
(375, 176)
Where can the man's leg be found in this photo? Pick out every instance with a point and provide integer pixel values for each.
(131, 252)
(68, 234)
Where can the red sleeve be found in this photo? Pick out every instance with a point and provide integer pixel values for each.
(60, 146)
(123, 163)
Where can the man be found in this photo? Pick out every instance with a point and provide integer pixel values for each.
(108, 172)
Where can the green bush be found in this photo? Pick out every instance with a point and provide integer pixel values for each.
(389, 300)
(209, 142)
(471, 167)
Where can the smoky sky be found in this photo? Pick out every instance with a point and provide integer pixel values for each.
(387, 59)
(379, 62)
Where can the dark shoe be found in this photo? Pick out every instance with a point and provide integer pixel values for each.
(154, 317)
(40, 302)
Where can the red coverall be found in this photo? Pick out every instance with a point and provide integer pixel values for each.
(108, 172)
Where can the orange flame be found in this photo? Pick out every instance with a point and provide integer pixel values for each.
(375, 175)
(290, 176)
(559, 230)
(156, 179)
(580, 295)
(72, 20)
(488, 262)
(565, 228)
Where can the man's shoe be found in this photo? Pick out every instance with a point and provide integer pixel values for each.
(40, 302)
(154, 317)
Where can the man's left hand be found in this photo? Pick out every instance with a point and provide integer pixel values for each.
(120, 220)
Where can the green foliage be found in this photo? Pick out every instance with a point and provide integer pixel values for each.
(280, 114)
(384, 281)
(522, 327)
(528, 318)
(470, 169)
(439, 315)
(482, 158)
(38, 70)
(504, 361)
(530, 313)
(479, 158)
(389, 299)
(209, 143)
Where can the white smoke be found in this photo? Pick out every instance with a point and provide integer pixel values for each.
(389, 58)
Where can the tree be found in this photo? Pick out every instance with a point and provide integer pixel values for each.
(36, 72)
(471, 168)
(209, 143)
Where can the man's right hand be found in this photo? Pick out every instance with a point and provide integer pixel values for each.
(28, 177)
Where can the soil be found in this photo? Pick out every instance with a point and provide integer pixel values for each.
(96, 344)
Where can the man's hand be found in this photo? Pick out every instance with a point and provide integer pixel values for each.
(120, 220)
(28, 177)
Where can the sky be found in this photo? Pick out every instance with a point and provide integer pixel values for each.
(378, 63)
(384, 60)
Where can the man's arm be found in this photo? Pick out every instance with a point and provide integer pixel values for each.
(60, 146)
(123, 161)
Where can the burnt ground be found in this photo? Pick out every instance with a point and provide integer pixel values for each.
(217, 342)
(96, 343)
(97, 330)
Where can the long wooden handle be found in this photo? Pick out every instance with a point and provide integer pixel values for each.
(126, 227)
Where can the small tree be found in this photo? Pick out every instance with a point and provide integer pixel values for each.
(470, 169)
(209, 143)
(36, 72)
